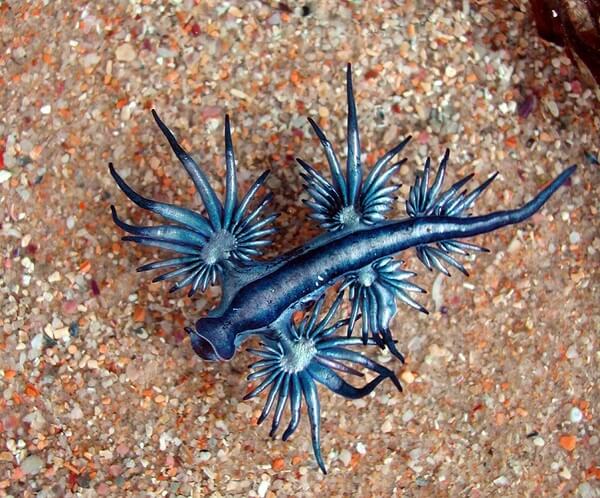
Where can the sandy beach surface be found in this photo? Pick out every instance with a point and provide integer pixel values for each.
(100, 391)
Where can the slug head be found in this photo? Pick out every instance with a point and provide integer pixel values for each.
(213, 339)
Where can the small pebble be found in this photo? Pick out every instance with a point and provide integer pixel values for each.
(46, 109)
(235, 12)
(125, 53)
(76, 413)
(421, 481)
(196, 29)
(407, 416)
(407, 377)
(345, 457)
(4, 175)
(94, 287)
(73, 329)
(69, 306)
(263, 488)
(501, 481)
(274, 19)
(553, 108)
(60, 333)
(585, 490)
(210, 112)
(102, 489)
(141, 333)
(54, 277)
(36, 420)
(115, 470)
(387, 426)
(323, 112)
(565, 474)
(26, 240)
(539, 441)
(123, 449)
(574, 238)
(575, 415)
(90, 59)
(567, 442)
(526, 107)
(239, 94)
(32, 465)
(450, 72)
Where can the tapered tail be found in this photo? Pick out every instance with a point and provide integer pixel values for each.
(534, 205)
(436, 229)
(484, 224)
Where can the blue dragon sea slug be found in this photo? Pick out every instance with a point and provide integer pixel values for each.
(355, 254)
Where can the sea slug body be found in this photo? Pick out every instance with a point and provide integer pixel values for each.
(357, 253)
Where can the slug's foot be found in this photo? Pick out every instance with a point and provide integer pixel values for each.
(300, 356)
(231, 234)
